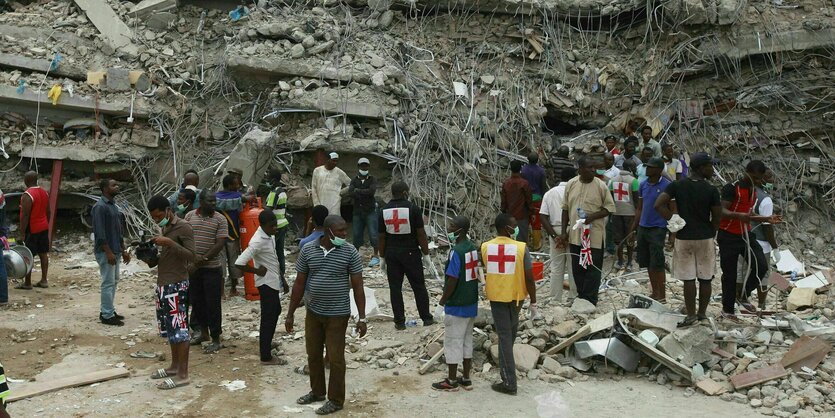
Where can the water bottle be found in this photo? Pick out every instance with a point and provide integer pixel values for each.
(794, 275)
(411, 323)
(581, 213)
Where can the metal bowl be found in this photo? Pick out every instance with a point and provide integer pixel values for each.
(19, 261)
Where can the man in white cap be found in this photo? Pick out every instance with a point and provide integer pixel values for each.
(328, 182)
(362, 190)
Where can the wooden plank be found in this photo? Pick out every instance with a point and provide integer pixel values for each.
(778, 281)
(600, 323)
(722, 353)
(742, 365)
(425, 368)
(711, 387)
(806, 351)
(41, 388)
(752, 378)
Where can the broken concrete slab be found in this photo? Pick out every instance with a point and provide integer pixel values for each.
(756, 42)
(323, 138)
(146, 7)
(611, 348)
(41, 66)
(688, 345)
(583, 307)
(76, 153)
(800, 298)
(118, 79)
(267, 70)
(646, 318)
(114, 32)
(525, 356)
(71, 105)
(250, 157)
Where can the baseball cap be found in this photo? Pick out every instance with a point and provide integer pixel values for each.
(192, 188)
(655, 162)
(701, 158)
(363, 160)
(333, 156)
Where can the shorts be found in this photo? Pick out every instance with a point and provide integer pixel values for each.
(458, 339)
(621, 227)
(694, 259)
(651, 248)
(37, 243)
(172, 311)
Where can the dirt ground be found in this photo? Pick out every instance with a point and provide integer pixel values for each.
(53, 333)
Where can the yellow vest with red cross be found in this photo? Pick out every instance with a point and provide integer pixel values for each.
(504, 266)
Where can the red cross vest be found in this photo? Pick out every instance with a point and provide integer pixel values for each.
(504, 262)
(397, 221)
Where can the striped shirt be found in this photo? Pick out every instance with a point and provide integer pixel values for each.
(328, 277)
(207, 232)
(4, 387)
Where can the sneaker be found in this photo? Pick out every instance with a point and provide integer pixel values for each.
(428, 322)
(446, 386)
(628, 268)
(399, 326)
(501, 388)
(375, 261)
(619, 265)
(465, 384)
(117, 316)
(111, 321)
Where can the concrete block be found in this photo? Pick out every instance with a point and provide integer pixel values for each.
(689, 345)
(115, 33)
(525, 356)
(799, 298)
(118, 79)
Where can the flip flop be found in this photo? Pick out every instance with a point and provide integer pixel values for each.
(143, 354)
(211, 348)
(689, 321)
(42, 285)
(159, 374)
(169, 384)
(23, 287)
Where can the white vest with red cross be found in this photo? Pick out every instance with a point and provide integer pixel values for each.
(397, 221)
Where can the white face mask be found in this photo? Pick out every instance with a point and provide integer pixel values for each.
(363, 172)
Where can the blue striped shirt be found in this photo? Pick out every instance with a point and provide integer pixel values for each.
(328, 277)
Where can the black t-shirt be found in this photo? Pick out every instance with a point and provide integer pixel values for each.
(400, 220)
(694, 198)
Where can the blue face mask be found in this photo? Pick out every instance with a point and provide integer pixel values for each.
(181, 208)
(768, 186)
(515, 233)
(452, 236)
(163, 222)
(336, 241)
(600, 172)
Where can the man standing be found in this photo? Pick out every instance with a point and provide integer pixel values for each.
(517, 198)
(611, 145)
(625, 190)
(612, 170)
(230, 204)
(34, 226)
(735, 239)
(630, 146)
(535, 176)
(585, 207)
(277, 202)
(641, 171)
(109, 245)
(327, 272)
(551, 215)
(191, 180)
(363, 188)
(509, 277)
(262, 249)
(171, 291)
(672, 165)
(765, 231)
(460, 302)
(317, 218)
(206, 279)
(327, 184)
(646, 135)
(185, 202)
(402, 240)
(560, 162)
(694, 253)
(652, 228)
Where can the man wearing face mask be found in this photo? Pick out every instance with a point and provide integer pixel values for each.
(326, 273)
(171, 291)
(402, 240)
(586, 205)
(191, 180)
(509, 280)
(736, 240)
(185, 202)
(109, 244)
(764, 231)
(362, 189)
(630, 147)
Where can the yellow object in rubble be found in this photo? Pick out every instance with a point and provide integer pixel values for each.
(54, 94)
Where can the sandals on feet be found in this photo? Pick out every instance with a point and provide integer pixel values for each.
(169, 384)
(23, 287)
(328, 408)
(42, 285)
(309, 399)
(211, 348)
(275, 361)
(159, 374)
(689, 321)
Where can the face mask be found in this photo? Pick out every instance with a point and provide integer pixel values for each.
(163, 222)
(768, 186)
(181, 208)
(515, 233)
(452, 236)
(336, 241)
(600, 172)
(363, 172)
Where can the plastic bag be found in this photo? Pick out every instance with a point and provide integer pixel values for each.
(551, 405)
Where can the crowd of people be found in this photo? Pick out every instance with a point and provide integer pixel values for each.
(630, 201)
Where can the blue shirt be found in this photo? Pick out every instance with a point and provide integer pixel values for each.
(649, 193)
(452, 270)
(534, 174)
(107, 226)
(315, 235)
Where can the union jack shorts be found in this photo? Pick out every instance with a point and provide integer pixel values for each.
(172, 311)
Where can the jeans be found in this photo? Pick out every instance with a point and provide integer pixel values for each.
(406, 262)
(506, 321)
(4, 278)
(360, 222)
(326, 332)
(587, 279)
(270, 310)
(561, 264)
(109, 279)
(204, 292)
(731, 247)
(280, 235)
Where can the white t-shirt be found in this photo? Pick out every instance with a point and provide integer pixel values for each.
(672, 168)
(766, 209)
(612, 172)
(552, 204)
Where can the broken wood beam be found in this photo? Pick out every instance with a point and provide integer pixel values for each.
(40, 388)
(425, 368)
(755, 377)
(41, 66)
(806, 352)
(711, 387)
(600, 323)
(114, 32)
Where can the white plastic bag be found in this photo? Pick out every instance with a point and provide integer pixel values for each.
(551, 405)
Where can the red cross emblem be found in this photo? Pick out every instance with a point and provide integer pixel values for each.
(621, 191)
(501, 258)
(470, 264)
(397, 221)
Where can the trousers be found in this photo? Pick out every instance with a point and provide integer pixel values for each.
(406, 262)
(270, 310)
(561, 264)
(205, 291)
(731, 247)
(109, 279)
(587, 279)
(326, 332)
(506, 321)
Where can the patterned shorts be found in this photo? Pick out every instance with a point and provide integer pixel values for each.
(172, 311)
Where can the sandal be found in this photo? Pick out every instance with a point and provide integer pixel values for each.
(23, 287)
(42, 285)
(689, 321)
(275, 361)
(159, 374)
(197, 339)
(169, 384)
(309, 399)
(328, 408)
(748, 306)
(212, 348)
(446, 386)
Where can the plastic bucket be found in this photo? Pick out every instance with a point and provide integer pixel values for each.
(538, 270)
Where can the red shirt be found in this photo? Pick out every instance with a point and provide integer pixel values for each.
(37, 217)
(742, 198)
(517, 197)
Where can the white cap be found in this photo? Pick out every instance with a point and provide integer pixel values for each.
(334, 156)
(192, 188)
(363, 160)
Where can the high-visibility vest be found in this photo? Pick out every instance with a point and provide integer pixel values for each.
(277, 201)
(504, 265)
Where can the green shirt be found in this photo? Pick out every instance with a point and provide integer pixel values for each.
(461, 266)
